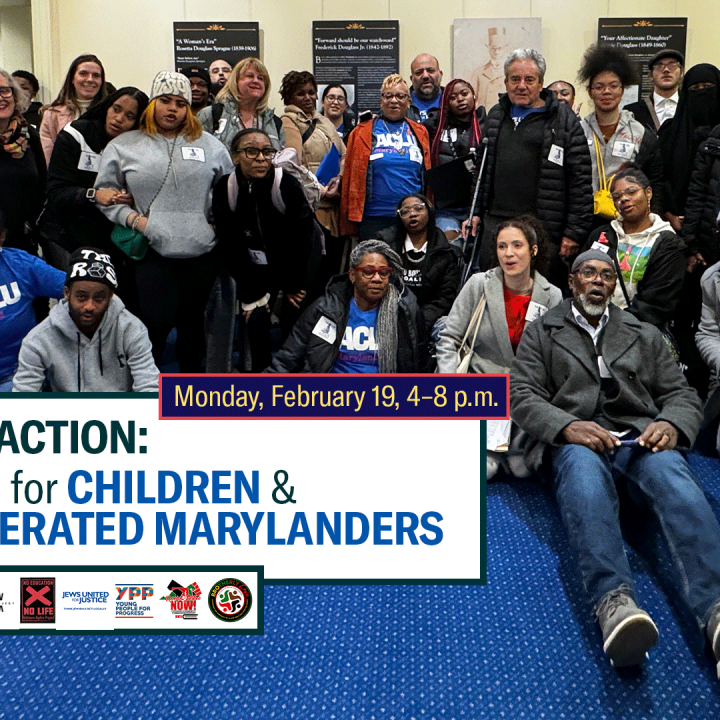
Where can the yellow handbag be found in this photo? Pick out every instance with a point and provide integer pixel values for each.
(603, 205)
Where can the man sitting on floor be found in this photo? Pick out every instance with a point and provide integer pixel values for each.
(598, 390)
(89, 342)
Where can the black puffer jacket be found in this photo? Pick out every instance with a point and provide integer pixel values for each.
(564, 199)
(305, 352)
(440, 273)
(700, 226)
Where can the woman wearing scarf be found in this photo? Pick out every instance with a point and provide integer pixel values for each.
(22, 167)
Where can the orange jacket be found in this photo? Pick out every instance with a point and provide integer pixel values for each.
(354, 179)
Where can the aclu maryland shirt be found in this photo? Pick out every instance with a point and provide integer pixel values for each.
(358, 350)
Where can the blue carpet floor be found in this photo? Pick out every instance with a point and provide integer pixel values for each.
(524, 646)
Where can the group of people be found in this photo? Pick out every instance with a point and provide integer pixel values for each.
(510, 237)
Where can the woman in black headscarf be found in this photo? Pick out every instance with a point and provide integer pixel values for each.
(690, 149)
(698, 112)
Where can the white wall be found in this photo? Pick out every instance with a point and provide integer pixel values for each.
(15, 38)
(134, 37)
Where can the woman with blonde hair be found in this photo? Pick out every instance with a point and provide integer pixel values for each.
(170, 167)
(243, 103)
(84, 87)
(385, 161)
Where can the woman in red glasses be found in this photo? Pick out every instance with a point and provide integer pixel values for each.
(367, 322)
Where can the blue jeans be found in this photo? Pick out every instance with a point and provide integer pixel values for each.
(584, 485)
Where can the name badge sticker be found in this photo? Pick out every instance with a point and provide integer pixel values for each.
(623, 149)
(415, 154)
(258, 257)
(193, 153)
(535, 311)
(325, 329)
(89, 161)
(557, 155)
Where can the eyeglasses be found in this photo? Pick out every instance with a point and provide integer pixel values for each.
(627, 192)
(255, 152)
(335, 99)
(612, 87)
(405, 211)
(6, 91)
(590, 273)
(369, 271)
(671, 65)
(402, 97)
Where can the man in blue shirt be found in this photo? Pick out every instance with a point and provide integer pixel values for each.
(426, 93)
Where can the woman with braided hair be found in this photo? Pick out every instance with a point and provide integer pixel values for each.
(367, 322)
(453, 131)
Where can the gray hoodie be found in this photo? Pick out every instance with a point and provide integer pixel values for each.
(117, 358)
(178, 221)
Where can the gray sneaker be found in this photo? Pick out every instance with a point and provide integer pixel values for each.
(713, 633)
(628, 632)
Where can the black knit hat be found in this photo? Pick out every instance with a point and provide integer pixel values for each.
(91, 264)
(591, 255)
(196, 72)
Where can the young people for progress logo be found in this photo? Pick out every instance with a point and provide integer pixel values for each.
(230, 600)
(133, 601)
(37, 600)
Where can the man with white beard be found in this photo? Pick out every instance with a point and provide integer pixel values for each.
(605, 404)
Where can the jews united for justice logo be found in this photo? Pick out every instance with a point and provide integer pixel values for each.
(230, 600)
(183, 600)
(37, 600)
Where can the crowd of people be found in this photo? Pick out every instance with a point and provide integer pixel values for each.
(438, 231)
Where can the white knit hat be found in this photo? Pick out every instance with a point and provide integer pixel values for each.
(171, 83)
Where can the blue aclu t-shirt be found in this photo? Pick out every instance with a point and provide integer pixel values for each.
(23, 277)
(396, 167)
(358, 350)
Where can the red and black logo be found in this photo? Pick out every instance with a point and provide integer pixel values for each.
(37, 600)
(230, 600)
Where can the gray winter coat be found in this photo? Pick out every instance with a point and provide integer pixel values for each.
(555, 380)
(117, 358)
(229, 123)
(708, 335)
(493, 351)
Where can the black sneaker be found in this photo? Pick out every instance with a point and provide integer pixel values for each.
(628, 632)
